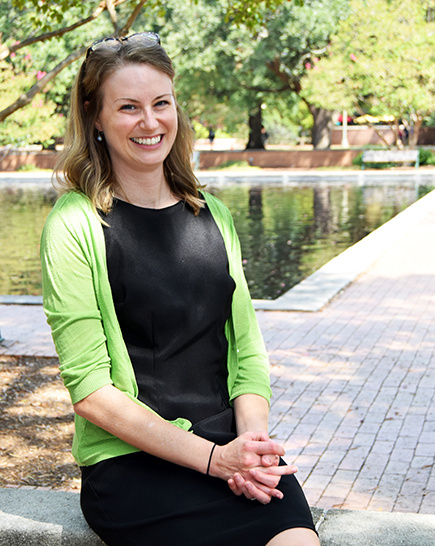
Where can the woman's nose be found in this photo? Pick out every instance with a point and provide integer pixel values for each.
(149, 121)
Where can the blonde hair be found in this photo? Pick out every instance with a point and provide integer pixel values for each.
(84, 163)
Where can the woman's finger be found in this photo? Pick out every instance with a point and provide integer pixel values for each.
(257, 492)
(232, 485)
(252, 491)
(270, 460)
(271, 476)
(268, 480)
(264, 448)
(277, 470)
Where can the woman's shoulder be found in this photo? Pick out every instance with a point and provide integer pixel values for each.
(71, 210)
(216, 205)
(71, 205)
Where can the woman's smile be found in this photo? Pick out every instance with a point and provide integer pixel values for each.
(147, 141)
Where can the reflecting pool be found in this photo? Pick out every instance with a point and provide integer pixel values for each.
(287, 230)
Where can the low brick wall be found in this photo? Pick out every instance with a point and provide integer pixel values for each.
(363, 136)
(303, 159)
(12, 160)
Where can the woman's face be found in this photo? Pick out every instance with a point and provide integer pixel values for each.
(138, 118)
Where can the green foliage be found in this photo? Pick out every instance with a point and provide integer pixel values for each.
(380, 61)
(44, 14)
(37, 122)
(426, 157)
(223, 66)
(227, 70)
(44, 119)
(252, 13)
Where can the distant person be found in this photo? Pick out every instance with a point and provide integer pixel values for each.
(154, 326)
(404, 134)
(264, 135)
(211, 136)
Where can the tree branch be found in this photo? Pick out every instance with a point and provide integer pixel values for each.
(132, 17)
(113, 15)
(292, 83)
(102, 6)
(26, 98)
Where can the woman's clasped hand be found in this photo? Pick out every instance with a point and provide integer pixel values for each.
(250, 465)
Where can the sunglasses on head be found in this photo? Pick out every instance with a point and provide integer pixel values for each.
(143, 38)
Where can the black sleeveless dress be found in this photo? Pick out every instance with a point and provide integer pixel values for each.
(169, 274)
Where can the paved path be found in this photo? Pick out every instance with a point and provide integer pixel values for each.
(353, 384)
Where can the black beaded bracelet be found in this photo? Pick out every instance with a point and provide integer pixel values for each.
(209, 459)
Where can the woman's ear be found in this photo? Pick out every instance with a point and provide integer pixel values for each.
(97, 123)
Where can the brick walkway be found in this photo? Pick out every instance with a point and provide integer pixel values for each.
(353, 384)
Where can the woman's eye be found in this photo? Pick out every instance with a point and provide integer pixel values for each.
(128, 107)
(161, 103)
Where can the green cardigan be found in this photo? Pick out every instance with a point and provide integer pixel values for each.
(80, 310)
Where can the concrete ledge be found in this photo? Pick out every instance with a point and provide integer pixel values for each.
(48, 518)
(361, 528)
(20, 300)
(53, 518)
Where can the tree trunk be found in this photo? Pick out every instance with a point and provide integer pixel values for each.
(321, 133)
(255, 141)
(415, 130)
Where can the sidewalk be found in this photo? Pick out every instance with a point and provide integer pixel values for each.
(353, 384)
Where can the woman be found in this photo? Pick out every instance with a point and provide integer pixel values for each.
(156, 335)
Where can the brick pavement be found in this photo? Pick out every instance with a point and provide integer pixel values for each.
(353, 384)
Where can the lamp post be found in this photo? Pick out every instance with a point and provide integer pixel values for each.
(344, 140)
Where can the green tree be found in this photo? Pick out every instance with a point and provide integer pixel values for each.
(48, 19)
(239, 57)
(38, 122)
(381, 61)
(36, 22)
(227, 71)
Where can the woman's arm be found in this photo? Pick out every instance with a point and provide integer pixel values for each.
(112, 410)
(251, 413)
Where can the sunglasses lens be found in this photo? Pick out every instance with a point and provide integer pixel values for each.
(146, 38)
(104, 43)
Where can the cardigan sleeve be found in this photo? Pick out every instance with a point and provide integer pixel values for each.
(71, 307)
(248, 365)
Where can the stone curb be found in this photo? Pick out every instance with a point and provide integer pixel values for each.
(53, 518)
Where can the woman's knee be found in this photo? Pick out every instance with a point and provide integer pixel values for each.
(299, 536)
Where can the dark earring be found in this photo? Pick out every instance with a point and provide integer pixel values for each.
(100, 136)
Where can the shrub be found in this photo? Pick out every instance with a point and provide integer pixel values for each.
(426, 157)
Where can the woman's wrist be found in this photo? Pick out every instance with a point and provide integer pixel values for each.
(215, 468)
(210, 459)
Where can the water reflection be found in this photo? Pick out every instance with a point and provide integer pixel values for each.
(286, 232)
(22, 215)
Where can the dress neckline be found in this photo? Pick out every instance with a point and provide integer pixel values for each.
(118, 201)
